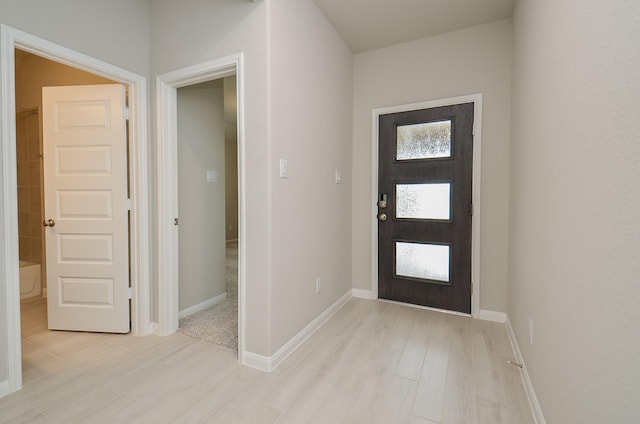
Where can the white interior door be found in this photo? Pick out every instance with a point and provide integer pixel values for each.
(86, 208)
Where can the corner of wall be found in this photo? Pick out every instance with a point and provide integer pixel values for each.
(536, 410)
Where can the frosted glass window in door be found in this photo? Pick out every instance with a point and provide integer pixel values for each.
(425, 261)
(424, 141)
(423, 201)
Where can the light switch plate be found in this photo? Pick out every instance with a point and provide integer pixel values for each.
(283, 168)
(212, 176)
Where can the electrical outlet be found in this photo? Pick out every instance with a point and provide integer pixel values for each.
(530, 331)
(318, 284)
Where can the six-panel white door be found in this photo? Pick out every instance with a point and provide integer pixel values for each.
(86, 213)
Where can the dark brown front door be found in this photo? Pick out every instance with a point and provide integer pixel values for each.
(424, 207)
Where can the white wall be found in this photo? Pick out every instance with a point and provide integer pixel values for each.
(191, 32)
(116, 32)
(201, 204)
(310, 219)
(575, 227)
(470, 61)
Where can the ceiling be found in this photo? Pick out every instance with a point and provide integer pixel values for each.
(372, 24)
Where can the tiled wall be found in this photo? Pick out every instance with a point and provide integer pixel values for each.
(29, 186)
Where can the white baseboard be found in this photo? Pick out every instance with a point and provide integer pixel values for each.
(363, 294)
(528, 386)
(268, 364)
(263, 363)
(494, 316)
(154, 328)
(4, 388)
(202, 305)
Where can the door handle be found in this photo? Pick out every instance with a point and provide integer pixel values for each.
(382, 217)
(49, 223)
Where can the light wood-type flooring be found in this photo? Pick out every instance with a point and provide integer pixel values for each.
(372, 362)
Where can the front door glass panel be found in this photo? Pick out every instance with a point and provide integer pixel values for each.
(423, 201)
(421, 260)
(428, 140)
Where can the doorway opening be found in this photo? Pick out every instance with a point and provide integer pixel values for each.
(208, 211)
(168, 196)
(34, 73)
(13, 40)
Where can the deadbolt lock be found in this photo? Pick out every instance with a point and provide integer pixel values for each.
(382, 201)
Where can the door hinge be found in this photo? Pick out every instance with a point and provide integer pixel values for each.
(130, 293)
(473, 128)
(126, 113)
(472, 288)
(472, 209)
(128, 204)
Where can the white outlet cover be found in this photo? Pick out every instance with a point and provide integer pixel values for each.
(212, 176)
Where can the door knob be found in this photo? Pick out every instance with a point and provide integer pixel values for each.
(382, 217)
(49, 222)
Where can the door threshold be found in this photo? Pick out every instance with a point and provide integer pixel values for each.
(428, 308)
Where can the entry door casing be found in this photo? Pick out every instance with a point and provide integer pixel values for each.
(86, 208)
(408, 240)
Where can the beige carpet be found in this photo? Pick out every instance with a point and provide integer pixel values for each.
(219, 323)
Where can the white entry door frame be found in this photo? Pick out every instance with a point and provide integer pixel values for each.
(167, 194)
(476, 99)
(11, 39)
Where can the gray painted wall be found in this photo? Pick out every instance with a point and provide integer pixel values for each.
(574, 222)
(470, 61)
(201, 204)
(189, 33)
(311, 76)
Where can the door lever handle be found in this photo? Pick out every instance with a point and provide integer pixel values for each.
(49, 223)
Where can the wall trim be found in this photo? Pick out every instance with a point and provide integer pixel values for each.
(536, 410)
(10, 39)
(268, 364)
(494, 316)
(167, 191)
(476, 99)
(363, 294)
(202, 305)
(4, 388)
